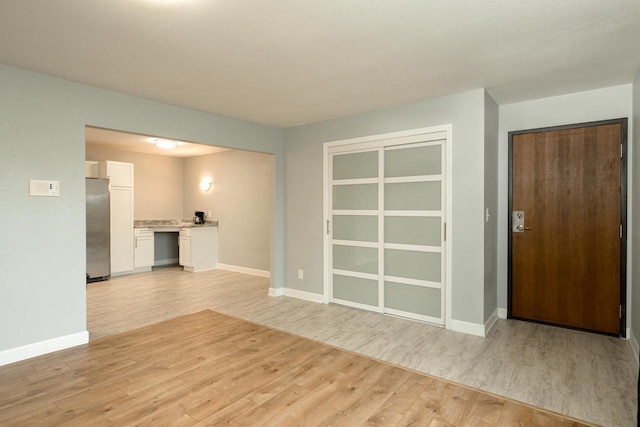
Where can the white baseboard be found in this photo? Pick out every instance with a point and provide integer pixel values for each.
(294, 293)
(43, 347)
(276, 292)
(307, 296)
(477, 329)
(491, 322)
(194, 270)
(245, 270)
(633, 342)
(502, 313)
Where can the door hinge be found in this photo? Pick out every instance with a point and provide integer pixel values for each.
(620, 150)
(621, 231)
(445, 231)
(328, 227)
(620, 311)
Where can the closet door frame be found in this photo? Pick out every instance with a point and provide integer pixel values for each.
(433, 133)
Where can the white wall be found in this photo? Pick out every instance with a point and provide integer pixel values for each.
(601, 104)
(157, 181)
(240, 199)
(304, 228)
(42, 264)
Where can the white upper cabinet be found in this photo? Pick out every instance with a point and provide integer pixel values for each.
(120, 174)
(91, 169)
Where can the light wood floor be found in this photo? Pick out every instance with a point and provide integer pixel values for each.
(585, 376)
(211, 369)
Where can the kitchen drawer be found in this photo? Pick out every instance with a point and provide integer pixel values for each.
(143, 232)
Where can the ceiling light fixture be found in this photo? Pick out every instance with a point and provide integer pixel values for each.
(165, 143)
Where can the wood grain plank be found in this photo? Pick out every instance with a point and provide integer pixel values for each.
(210, 369)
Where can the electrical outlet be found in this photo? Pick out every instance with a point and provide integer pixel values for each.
(300, 274)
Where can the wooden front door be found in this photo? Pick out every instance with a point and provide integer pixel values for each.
(566, 222)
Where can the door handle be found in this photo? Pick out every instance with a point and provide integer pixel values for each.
(522, 228)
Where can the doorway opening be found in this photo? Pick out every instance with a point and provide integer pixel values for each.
(167, 186)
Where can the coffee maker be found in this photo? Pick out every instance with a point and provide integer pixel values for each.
(199, 218)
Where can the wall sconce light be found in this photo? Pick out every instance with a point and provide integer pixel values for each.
(205, 185)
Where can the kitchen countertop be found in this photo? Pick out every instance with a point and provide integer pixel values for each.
(172, 223)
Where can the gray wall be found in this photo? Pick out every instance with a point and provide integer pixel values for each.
(241, 200)
(601, 104)
(303, 186)
(42, 270)
(491, 113)
(43, 123)
(634, 233)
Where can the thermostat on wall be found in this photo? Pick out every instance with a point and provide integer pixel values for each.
(44, 188)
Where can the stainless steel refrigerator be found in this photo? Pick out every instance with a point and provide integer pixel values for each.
(98, 230)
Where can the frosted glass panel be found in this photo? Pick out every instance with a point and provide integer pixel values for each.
(412, 230)
(412, 196)
(413, 299)
(355, 165)
(412, 264)
(413, 161)
(357, 227)
(363, 291)
(359, 196)
(352, 258)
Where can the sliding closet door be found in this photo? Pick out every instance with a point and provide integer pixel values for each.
(413, 231)
(355, 211)
(386, 226)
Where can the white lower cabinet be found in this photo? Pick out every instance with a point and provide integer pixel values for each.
(144, 248)
(184, 241)
(198, 248)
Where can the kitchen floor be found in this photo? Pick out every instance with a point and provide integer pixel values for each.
(586, 376)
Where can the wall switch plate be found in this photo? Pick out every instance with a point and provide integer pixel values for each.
(300, 274)
(46, 188)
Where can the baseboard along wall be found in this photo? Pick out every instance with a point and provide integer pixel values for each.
(43, 347)
(244, 270)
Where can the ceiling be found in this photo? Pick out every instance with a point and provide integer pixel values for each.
(144, 144)
(290, 62)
